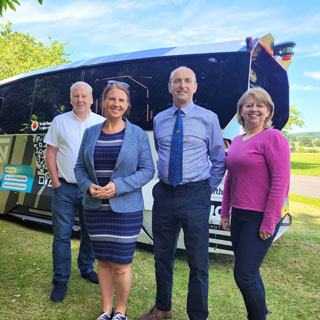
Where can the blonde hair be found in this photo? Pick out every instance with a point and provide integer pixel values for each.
(259, 95)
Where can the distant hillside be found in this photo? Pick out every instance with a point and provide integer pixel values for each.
(313, 135)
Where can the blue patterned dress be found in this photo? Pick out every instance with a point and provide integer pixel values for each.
(113, 235)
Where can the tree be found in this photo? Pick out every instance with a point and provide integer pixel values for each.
(4, 4)
(295, 120)
(306, 141)
(20, 53)
(292, 137)
(317, 143)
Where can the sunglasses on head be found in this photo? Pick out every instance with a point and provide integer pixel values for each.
(119, 82)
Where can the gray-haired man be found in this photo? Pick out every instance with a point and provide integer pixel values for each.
(63, 141)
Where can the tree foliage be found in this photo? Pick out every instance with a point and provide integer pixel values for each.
(316, 143)
(295, 120)
(306, 141)
(20, 53)
(4, 4)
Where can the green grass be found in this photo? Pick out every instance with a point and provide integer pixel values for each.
(305, 164)
(290, 271)
(315, 202)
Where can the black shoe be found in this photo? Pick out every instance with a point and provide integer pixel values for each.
(91, 276)
(58, 292)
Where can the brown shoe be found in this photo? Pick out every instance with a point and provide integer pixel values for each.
(156, 314)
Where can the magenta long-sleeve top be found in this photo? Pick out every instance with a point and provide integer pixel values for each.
(258, 176)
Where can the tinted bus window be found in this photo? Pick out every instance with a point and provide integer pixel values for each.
(136, 75)
(219, 86)
(16, 107)
(52, 97)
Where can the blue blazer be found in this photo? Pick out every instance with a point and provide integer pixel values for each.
(134, 168)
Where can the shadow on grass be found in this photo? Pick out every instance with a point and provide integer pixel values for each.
(217, 259)
(220, 259)
(303, 165)
(306, 218)
(181, 255)
(45, 228)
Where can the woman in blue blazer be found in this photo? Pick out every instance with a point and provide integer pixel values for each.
(114, 162)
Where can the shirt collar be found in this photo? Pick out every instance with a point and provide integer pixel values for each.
(185, 110)
(74, 114)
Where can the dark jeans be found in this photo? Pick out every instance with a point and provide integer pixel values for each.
(186, 206)
(250, 250)
(66, 202)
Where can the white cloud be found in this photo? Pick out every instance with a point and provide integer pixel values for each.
(132, 5)
(303, 24)
(315, 54)
(304, 88)
(311, 55)
(100, 27)
(68, 13)
(183, 18)
(314, 75)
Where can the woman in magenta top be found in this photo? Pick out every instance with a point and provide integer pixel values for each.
(255, 189)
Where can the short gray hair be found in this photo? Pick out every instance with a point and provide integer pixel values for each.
(80, 83)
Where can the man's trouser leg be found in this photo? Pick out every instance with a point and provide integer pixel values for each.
(63, 213)
(194, 218)
(165, 229)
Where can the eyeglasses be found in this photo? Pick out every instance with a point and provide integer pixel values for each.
(119, 82)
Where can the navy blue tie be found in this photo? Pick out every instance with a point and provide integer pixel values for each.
(175, 162)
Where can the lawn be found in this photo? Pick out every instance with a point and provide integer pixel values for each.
(291, 273)
(307, 164)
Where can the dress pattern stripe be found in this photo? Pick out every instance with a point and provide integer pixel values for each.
(113, 235)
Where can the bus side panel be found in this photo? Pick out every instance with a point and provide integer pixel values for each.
(19, 167)
(8, 199)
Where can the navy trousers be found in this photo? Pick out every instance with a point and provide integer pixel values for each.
(188, 207)
(250, 250)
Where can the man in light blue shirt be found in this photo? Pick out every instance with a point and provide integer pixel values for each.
(187, 204)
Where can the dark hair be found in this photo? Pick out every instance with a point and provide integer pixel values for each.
(116, 85)
(259, 95)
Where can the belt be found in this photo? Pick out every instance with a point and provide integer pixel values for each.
(66, 182)
(181, 186)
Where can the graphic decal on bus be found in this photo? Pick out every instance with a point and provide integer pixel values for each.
(39, 151)
(216, 199)
(17, 178)
(42, 126)
(4, 150)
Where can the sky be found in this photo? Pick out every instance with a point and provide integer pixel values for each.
(99, 28)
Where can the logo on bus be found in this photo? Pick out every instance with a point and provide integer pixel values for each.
(34, 125)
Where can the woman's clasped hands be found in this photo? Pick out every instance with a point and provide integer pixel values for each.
(106, 192)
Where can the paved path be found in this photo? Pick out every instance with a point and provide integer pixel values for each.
(305, 186)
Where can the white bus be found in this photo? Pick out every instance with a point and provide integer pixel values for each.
(29, 102)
